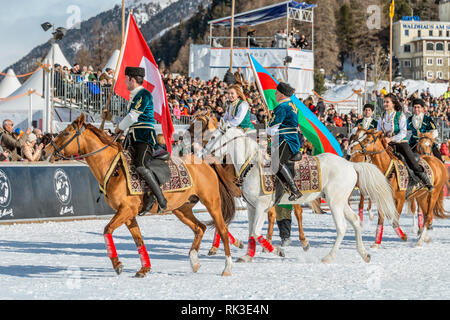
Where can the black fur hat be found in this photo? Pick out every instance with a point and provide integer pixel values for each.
(285, 89)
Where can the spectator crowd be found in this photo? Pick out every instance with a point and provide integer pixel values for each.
(187, 95)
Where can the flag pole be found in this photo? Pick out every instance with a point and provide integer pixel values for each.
(391, 16)
(232, 36)
(108, 102)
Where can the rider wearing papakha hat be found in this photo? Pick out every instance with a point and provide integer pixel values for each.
(284, 123)
(140, 121)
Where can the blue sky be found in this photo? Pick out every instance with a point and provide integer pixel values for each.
(20, 22)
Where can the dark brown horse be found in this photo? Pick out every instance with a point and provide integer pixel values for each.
(370, 146)
(99, 150)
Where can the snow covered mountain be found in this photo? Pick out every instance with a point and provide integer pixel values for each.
(152, 16)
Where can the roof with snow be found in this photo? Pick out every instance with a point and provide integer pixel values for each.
(262, 15)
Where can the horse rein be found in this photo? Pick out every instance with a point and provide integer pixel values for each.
(58, 150)
(367, 154)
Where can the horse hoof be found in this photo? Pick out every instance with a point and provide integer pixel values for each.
(305, 246)
(239, 244)
(404, 237)
(119, 268)
(226, 274)
(212, 251)
(367, 258)
(279, 252)
(244, 259)
(327, 259)
(375, 246)
(195, 267)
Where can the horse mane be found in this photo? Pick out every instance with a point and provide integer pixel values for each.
(104, 138)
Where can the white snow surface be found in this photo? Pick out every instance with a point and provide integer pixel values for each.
(68, 260)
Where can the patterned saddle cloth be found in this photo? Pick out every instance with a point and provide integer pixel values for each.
(307, 175)
(180, 178)
(403, 178)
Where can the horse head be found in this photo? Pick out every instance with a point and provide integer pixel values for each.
(67, 142)
(425, 143)
(208, 124)
(365, 143)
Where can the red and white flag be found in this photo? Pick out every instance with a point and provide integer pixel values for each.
(136, 53)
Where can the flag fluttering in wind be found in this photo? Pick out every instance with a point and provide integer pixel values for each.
(136, 53)
(312, 128)
(391, 9)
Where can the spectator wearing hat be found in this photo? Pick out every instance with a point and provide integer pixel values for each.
(31, 152)
(9, 143)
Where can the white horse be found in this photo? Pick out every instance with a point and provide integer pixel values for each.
(338, 179)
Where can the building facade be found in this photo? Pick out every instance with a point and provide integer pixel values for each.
(423, 49)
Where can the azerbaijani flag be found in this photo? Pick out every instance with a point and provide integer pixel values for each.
(311, 127)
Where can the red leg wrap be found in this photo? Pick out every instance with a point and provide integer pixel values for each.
(379, 234)
(251, 247)
(143, 255)
(110, 247)
(361, 213)
(266, 244)
(420, 219)
(216, 242)
(399, 232)
(231, 238)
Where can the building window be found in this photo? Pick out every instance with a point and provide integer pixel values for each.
(439, 46)
(407, 63)
(419, 33)
(439, 75)
(429, 61)
(430, 74)
(430, 33)
(430, 46)
(448, 33)
(407, 48)
(440, 61)
(407, 33)
(440, 33)
(448, 46)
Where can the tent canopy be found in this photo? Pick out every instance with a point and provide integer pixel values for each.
(262, 15)
(9, 84)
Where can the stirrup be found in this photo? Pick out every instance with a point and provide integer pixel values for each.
(297, 157)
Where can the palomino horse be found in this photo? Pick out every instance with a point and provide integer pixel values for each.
(338, 178)
(99, 150)
(209, 124)
(370, 146)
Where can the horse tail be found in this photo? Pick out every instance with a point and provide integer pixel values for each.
(228, 206)
(438, 209)
(373, 183)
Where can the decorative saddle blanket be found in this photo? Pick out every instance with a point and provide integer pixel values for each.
(180, 178)
(403, 178)
(307, 175)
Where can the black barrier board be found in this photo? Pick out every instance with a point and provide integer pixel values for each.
(40, 191)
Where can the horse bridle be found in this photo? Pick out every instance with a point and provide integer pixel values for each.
(367, 154)
(58, 150)
(420, 148)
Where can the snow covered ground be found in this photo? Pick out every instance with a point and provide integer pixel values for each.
(67, 260)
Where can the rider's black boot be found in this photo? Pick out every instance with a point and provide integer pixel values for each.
(286, 173)
(154, 186)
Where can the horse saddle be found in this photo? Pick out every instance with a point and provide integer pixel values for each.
(158, 165)
(306, 173)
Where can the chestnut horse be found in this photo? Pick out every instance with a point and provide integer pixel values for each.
(209, 123)
(99, 150)
(370, 146)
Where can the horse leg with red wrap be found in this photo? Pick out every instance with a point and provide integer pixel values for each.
(216, 243)
(143, 255)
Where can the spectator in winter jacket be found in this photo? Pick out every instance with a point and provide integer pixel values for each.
(9, 143)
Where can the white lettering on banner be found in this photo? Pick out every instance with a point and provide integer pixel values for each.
(66, 210)
(6, 212)
(268, 58)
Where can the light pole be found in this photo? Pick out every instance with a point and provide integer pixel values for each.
(57, 34)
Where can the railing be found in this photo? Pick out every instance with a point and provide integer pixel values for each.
(249, 42)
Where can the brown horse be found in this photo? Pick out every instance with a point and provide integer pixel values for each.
(370, 146)
(99, 150)
(200, 130)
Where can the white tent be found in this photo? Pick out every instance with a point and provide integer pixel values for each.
(9, 84)
(112, 62)
(18, 109)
